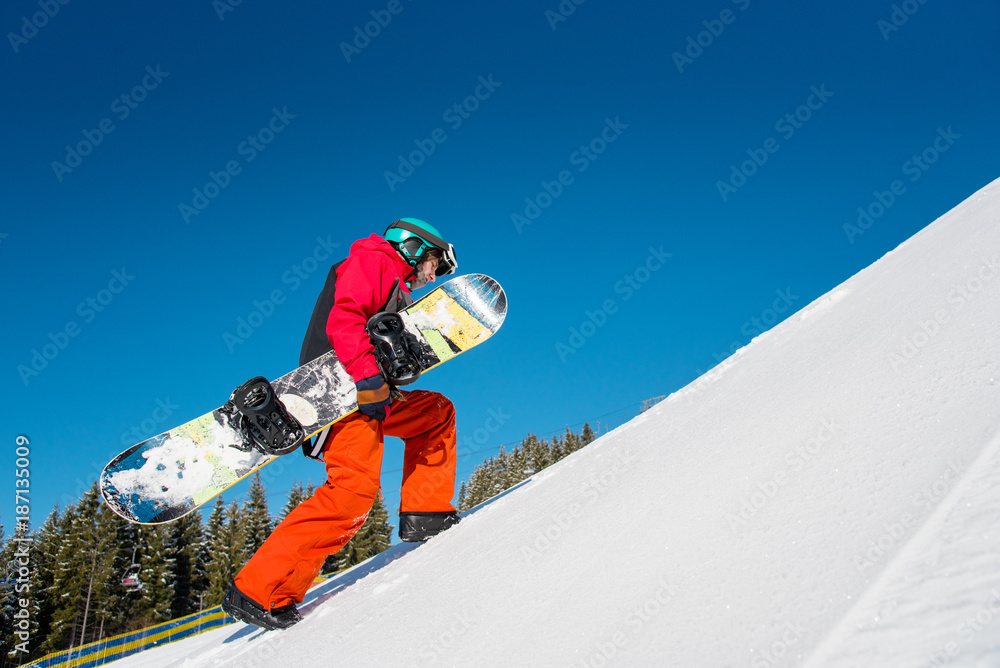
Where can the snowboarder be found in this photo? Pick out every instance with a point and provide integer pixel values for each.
(377, 275)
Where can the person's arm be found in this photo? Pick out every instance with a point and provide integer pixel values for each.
(363, 286)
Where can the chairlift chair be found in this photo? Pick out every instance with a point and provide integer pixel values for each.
(131, 580)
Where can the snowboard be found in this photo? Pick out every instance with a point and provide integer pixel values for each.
(170, 475)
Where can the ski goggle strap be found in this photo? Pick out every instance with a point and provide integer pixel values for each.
(449, 262)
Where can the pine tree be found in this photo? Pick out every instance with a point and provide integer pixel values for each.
(152, 603)
(296, 495)
(559, 448)
(217, 562)
(256, 519)
(123, 596)
(84, 567)
(41, 582)
(480, 484)
(502, 473)
(231, 551)
(517, 466)
(497, 474)
(536, 452)
(572, 442)
(186, 548)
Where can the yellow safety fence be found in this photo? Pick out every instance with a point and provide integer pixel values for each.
(116, 647)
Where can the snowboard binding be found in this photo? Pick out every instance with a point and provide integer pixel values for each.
(397, 351)
(262, 419)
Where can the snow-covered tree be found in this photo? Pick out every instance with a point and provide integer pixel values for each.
(217, 566)
(152, 603)
(537, 452)
(41, 581)
(257, 523)
(506, 469)
(84, 567)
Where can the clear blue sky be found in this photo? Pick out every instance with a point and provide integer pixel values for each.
(308, 129)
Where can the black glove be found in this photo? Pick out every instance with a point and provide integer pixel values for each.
(374, 397)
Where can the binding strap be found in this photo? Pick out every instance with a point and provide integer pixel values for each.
(313, 447)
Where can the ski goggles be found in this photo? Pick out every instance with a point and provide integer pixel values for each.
(449, 261)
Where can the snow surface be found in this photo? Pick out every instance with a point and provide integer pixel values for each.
(827, 496)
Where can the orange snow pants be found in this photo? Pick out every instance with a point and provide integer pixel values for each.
(281, 571)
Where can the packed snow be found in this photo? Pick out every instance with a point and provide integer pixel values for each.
(827, 496)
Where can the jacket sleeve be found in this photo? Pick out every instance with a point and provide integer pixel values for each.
(364, 282)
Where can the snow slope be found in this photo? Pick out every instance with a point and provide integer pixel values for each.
(828, 496)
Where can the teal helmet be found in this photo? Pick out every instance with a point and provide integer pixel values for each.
(413, 237)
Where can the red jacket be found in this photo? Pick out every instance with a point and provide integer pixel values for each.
(364, 283)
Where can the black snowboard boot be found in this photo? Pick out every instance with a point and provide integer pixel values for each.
(245, 609)
(416, 527)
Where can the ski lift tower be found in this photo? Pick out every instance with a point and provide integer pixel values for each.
(649, 403)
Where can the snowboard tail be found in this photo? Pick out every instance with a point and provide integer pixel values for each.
(171, 474)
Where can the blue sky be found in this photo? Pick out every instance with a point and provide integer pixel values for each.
(663, 181)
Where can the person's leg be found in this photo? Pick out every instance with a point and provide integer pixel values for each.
(426, 423)
(284, 567)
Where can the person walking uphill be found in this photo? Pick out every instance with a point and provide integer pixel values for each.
(377, 275)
